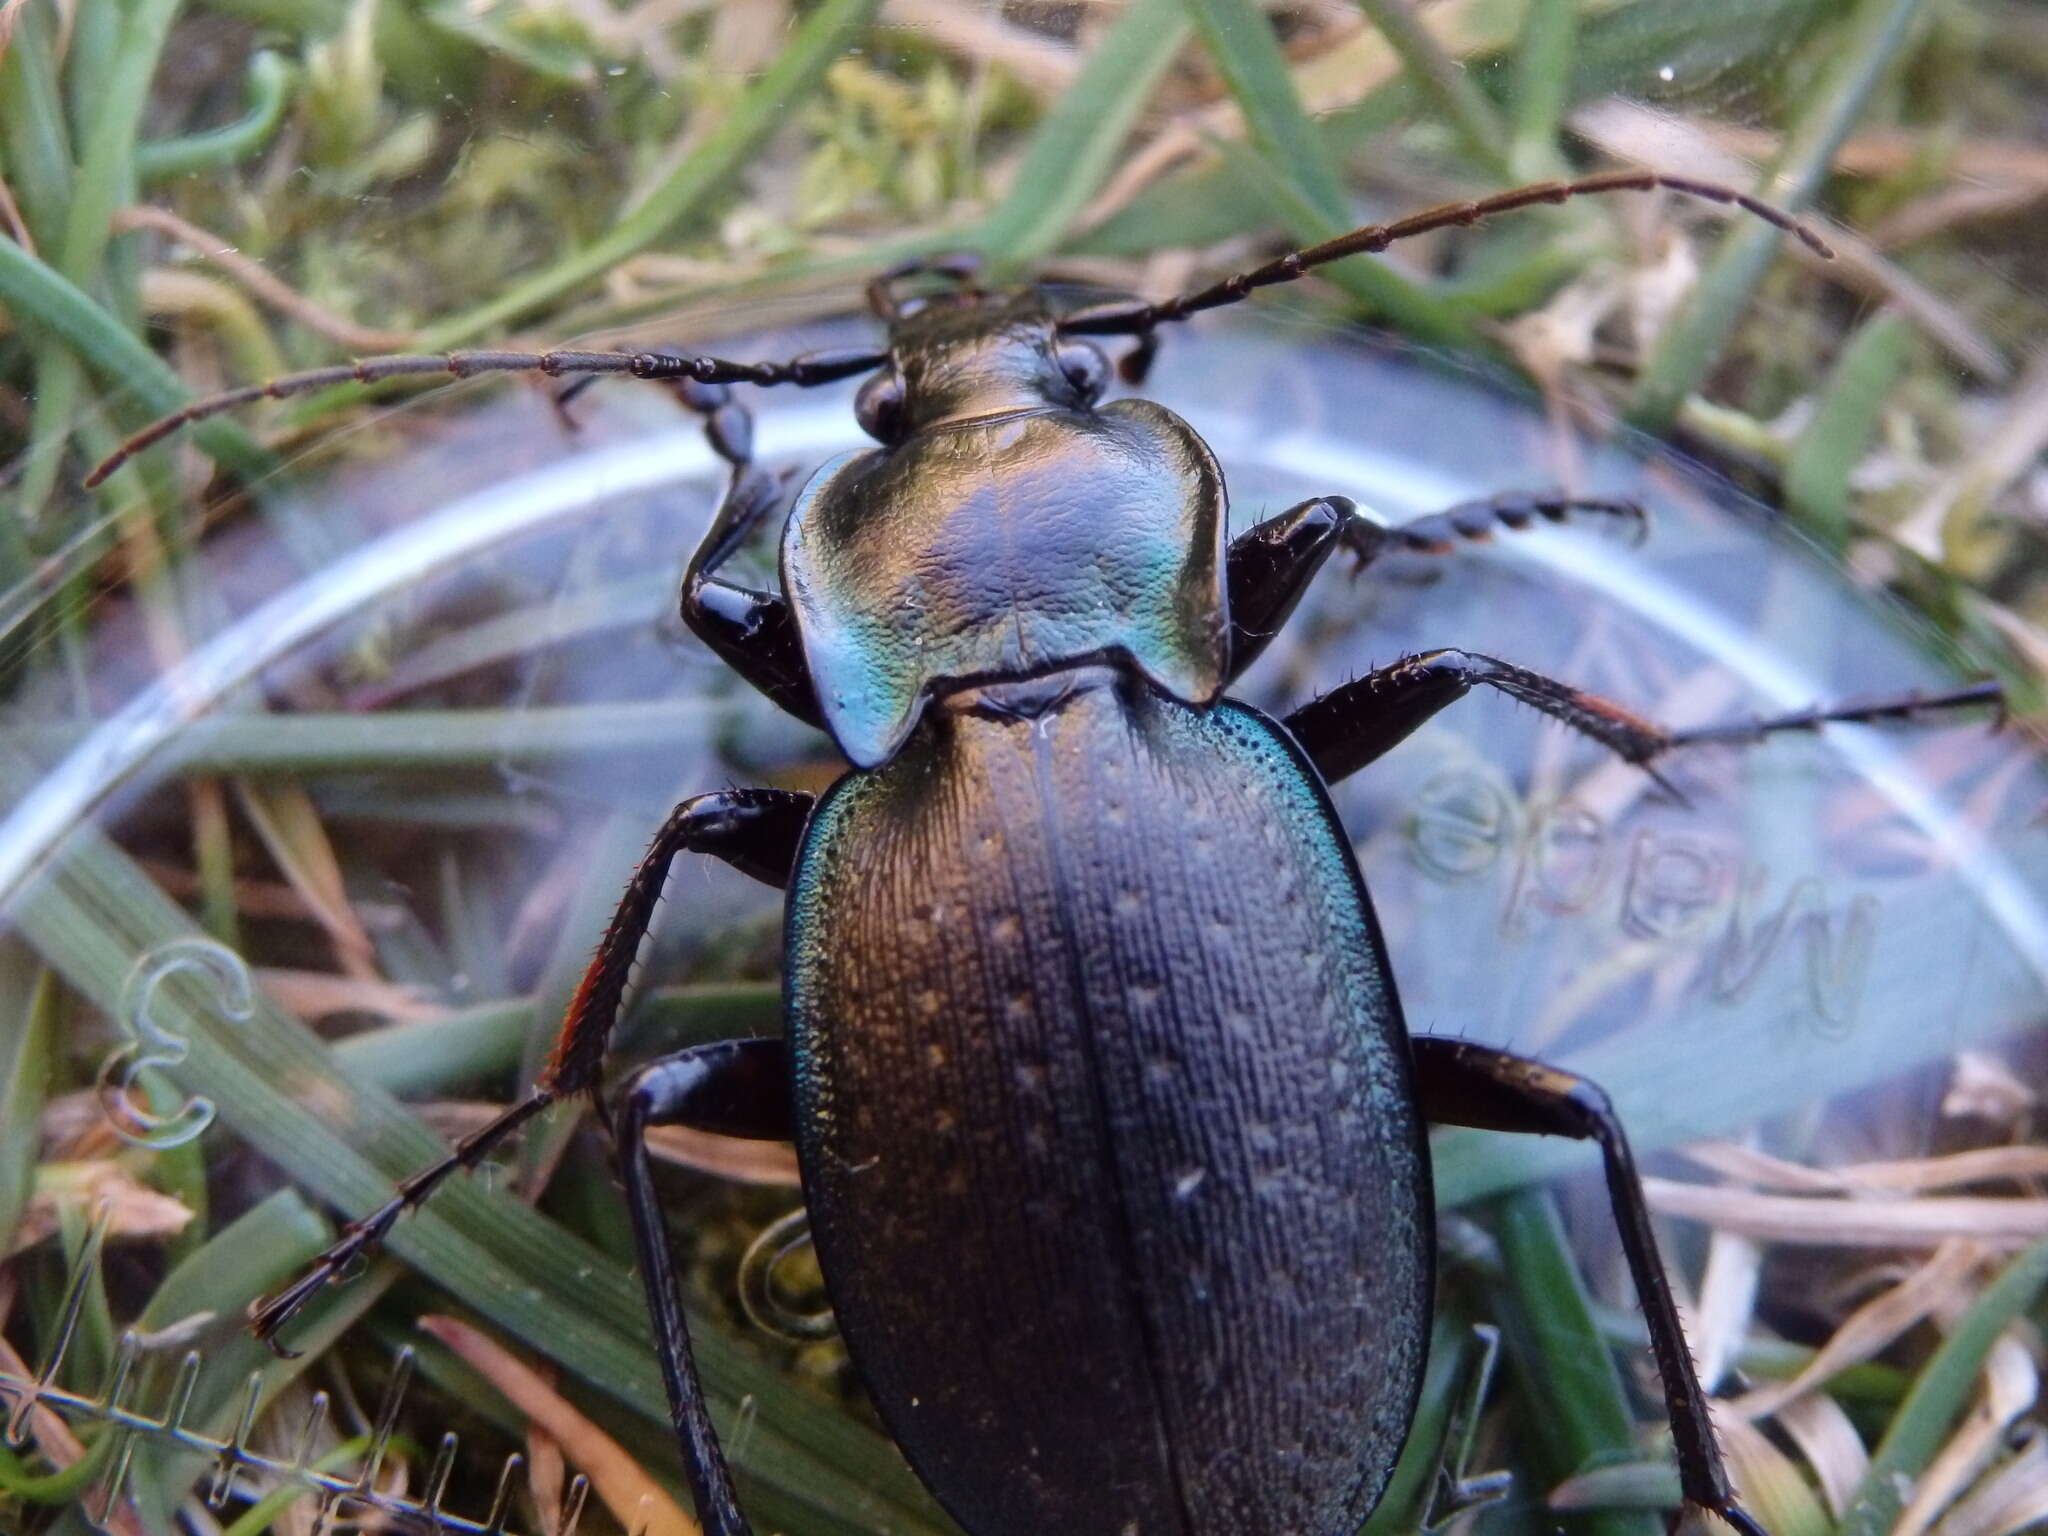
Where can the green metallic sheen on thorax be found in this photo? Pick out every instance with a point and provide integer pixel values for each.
(1010, 531)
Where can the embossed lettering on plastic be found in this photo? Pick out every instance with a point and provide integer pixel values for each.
(214, 971)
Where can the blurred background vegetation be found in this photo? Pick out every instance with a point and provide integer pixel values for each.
(201, 193)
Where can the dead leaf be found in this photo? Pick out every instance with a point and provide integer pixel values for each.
(134, 1210)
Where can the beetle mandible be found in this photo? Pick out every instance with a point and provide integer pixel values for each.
(1084, 990)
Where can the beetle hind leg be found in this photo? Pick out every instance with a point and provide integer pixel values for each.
(735, 1088)
(1461, 1083)
(754, 830)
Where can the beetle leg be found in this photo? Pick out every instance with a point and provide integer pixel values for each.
(1460, 1083)
(735, 1088)
(752, 632)
(1350, 726)
(755, 633)
(757, 831)
(1475, 522)
(1268, 567)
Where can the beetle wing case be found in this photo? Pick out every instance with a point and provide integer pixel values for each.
(1004, 546)
(1149, 1248)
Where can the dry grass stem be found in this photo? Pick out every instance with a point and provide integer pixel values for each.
(2009, 448)
(748, 1162)
(1939, 212)
(1873, 1326)
(1644, 136)
(1344, 74)
(1727, 1302)
(1032, 59)
(289, 824)
(638, 1502)
(770, 1163)
(2011, 1385)
(1817, 1424)
(60, 1447)
(321, 994)
(1854, 1223)
(264, 285)
(1981, 1165)
(10, 214)
(2012, 1499)
(133, 1209)
(1893, 152)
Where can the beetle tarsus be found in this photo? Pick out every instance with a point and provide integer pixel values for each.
(1901, 707)
(1476, 522)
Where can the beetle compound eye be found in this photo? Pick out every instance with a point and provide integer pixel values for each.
(1085, 368)
(879, 406)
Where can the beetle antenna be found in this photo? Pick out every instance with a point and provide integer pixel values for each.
(1134, 317)
(811, 368)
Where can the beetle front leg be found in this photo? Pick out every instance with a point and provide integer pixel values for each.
(754, 633)
(1476, 522)
(1268, 567)
(1460, 1083)
(734, 1088)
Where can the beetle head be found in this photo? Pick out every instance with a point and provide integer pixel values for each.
(967, 354)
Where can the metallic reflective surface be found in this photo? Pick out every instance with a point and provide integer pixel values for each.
(1106, 1119)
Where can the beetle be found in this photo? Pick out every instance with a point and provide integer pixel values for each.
(1084, 988)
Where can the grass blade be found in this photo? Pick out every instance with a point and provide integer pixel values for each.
(29, 993)
(1940, 1392)
(1577, 1411)
(825, 34)
(32, 288)
(343, 1140)
(1072, 150)
(1242, 45)
(1543, 81)
(1851, 401)
(1691, 344)
(270, 86)
(1444, 81)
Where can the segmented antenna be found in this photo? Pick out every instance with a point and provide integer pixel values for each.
(341, 1495)
(1128, 317)
(813, 368)
(1120, 318)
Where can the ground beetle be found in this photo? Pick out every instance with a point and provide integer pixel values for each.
(1085, 993)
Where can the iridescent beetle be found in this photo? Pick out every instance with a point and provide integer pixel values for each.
(1111, 1134)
